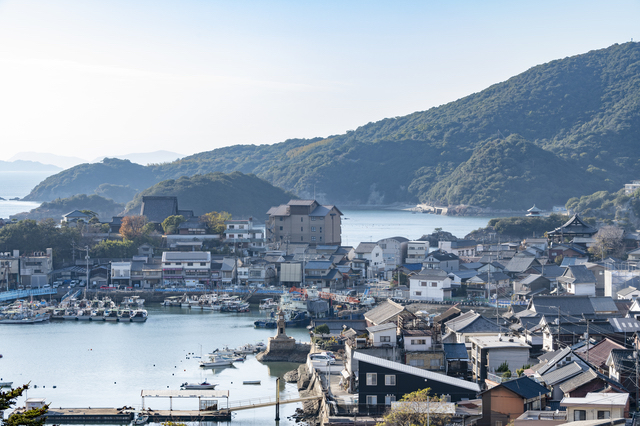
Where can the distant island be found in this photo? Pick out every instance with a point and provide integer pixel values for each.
(563, 129)
(27, 166)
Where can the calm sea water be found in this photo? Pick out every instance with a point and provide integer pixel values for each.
(100, 364)
(358, 225)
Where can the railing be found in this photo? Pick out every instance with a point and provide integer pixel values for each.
(21, 294)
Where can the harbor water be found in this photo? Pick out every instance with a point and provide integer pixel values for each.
(102, 364)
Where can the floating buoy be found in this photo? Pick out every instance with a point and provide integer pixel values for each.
(54, 387)
(114, 383)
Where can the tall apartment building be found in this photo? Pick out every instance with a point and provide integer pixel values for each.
(303, 221)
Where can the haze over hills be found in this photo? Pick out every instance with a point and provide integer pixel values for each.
(145, 158)
(562, 129)
(27, 166)
(65, 162)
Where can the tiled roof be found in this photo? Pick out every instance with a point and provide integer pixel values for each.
(562, 374)
(158, 208)
(599, 353)
(520, 263)
(366, 247)
(625, 325)
(525, 387)
(455, 351)
(383, 312)
(418, 372)
(586, 377)
(381, 327)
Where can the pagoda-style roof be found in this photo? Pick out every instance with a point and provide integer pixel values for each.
(534, 211)
(572, 228)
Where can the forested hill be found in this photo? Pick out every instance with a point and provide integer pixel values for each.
(563, 129)
(241, 195)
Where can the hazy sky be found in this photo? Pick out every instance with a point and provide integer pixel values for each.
(90, 78)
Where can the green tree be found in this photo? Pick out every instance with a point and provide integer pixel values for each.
(215, 221)
(170, 224)
(322, 329)
(418, 409)
(33, 417)
(114, 249)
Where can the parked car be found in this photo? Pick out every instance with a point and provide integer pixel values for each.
(321, 357)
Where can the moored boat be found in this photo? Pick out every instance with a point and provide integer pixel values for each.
(203, 385)
(215, 361)
(139, 315)
(111, 315)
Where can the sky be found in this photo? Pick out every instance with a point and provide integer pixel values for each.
(94, 78)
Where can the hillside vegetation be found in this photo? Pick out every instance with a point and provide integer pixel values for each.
(562, 129)
(104, 208)
(239, 194)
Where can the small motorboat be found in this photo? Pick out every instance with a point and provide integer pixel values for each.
(251, 382)
(215, 361)
(203, 385)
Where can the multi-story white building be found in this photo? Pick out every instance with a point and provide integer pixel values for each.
(393, 251)
(243, 234)
(372, 253)
(35, 269)
(417, 251)
(430, 284)
(186, 267)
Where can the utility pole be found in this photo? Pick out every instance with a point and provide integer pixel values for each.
(278, 399)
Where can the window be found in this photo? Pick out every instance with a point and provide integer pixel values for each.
(372, 400)
(313, 238)
(390, 380)
(434, 284)
(313, 229)
(281, 219)
(389, 399)
(423, 283)
(435, 363)
(383, 246)
(203, 264)
(301, 229)
(416, 362)
(320, 238)
(385, 338)
(301, 219)
(579, 415)
(604, 414)
(417, 293)
(418, 341)
(281, 228)
(301, 238)
(189, 263)
(372, 379)
(377, 254)
(320, 229)
(313, 218)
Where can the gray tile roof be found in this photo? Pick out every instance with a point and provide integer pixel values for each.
(521, 263)
(525, 387)
(455, 351)
(383, 312)
(437, 274)
(472, 322)
(158, 208)
(366, 247)
(562, 374)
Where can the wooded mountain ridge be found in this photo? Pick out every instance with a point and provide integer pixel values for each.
(559, 130)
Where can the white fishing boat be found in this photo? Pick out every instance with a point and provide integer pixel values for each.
(139, 315)
(83, 314)
(214, 360)
(203, 385)
(98, 314)
(111, 315)
(268, 304)
(6, 384)
(124, 315)
(251, 382)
